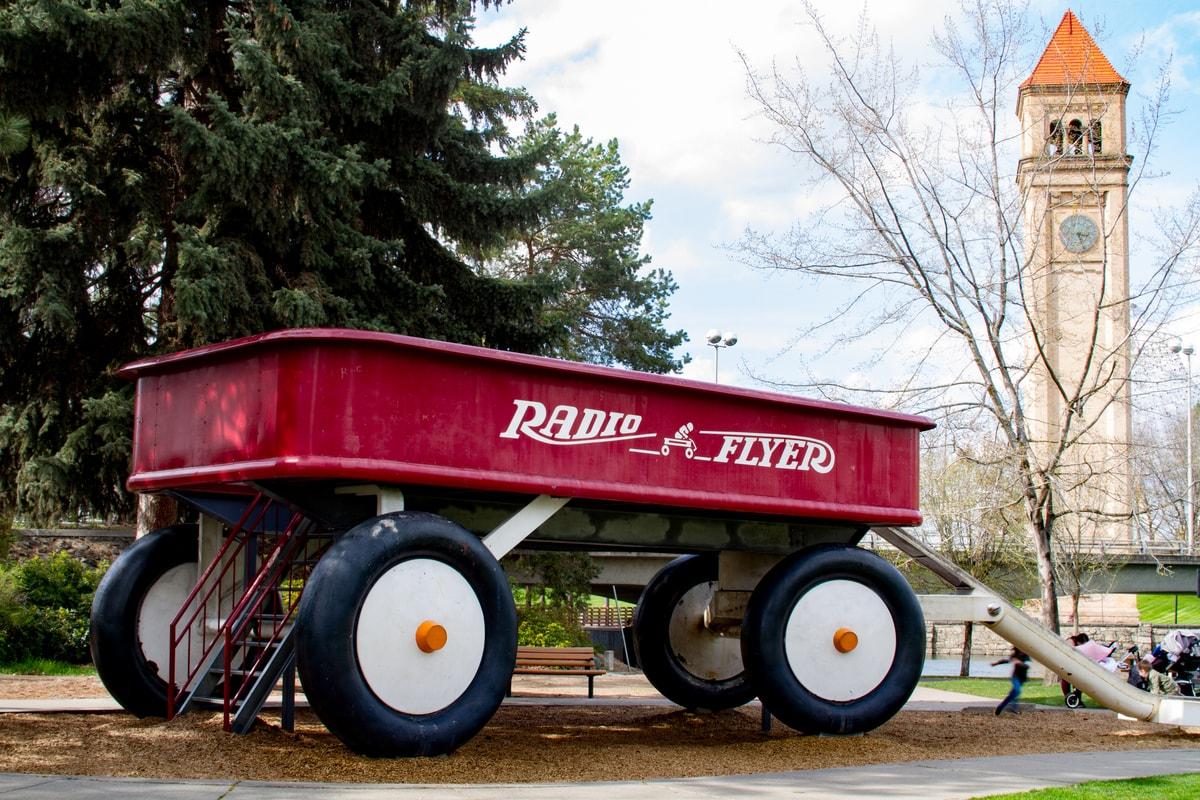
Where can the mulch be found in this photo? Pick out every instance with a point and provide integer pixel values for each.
(548, 744)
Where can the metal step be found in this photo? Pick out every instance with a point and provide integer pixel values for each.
(200, 698)
(238, 673)
(247, 711)
(260, 643)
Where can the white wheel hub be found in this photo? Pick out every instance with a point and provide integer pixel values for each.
(818, 623)
(158, 607)
(395, 667)
(700, 651)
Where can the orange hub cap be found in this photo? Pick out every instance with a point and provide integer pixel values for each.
(430, 636)
(845, 640)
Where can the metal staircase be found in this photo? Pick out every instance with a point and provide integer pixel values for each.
(232, 639)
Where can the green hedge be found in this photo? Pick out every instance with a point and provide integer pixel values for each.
(45, 604)
(549, 627)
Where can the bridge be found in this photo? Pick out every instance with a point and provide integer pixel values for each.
(1143, 573)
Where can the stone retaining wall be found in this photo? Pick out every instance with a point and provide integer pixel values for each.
(90, 547)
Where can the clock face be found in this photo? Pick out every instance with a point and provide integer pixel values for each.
(1078, 233)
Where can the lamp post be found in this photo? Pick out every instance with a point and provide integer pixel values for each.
(1189, 504)
(716, 340)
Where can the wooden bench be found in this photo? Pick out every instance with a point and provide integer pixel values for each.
(558, 661)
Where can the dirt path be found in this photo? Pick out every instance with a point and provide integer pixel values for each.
(534, 743)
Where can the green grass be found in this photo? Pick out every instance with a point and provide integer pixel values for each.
(597, 601)
(1161, 787)
(45, 666)
(1159, 609)
(997, 688)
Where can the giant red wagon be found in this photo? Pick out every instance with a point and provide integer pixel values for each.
(359, 489)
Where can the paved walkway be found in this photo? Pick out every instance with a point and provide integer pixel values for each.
(923, 699)
(615, 688)
(927, 780)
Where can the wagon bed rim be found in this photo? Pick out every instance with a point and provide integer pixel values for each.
(164, 364)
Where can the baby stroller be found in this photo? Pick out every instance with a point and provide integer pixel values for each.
(1179, 655)
(1100, 653)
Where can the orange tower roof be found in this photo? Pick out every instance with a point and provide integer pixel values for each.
(1071, 58)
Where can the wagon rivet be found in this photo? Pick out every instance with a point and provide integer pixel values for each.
(845, 640)
(430, 636)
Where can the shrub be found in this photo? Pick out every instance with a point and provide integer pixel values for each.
(59, 634)
(45, 605)
(10, 607)
(60, 581)
(549, 627)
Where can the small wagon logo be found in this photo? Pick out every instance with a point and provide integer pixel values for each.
(772, 450)
(682, 438)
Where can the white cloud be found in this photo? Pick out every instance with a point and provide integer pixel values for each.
(681, 256)
(1175, 40)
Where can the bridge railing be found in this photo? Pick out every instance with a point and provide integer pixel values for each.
(1098, 546)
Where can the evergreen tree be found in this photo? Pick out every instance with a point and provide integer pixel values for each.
(176, 173)
(607, 306)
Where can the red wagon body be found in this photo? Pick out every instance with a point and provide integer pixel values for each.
(345, 405)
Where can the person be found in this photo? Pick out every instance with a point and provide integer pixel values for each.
(1156, 682)
(1063, 683)
(1100, 653)
(1134, 679)
(1020, 672)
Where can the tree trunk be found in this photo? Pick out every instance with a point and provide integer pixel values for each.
(964, 667)
(1039, 518)
(1046, 577)
(155, 511)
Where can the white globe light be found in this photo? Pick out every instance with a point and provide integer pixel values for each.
(730, 338)
(713, 336)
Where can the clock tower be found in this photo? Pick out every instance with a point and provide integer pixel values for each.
(1073, 179)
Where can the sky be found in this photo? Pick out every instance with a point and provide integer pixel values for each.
(665, 79)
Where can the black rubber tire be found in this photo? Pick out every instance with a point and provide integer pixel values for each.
(327, 619)
(134, 682)
(1074, 700)
(765, 657)
(661, 665)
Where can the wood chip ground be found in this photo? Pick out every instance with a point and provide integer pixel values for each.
(534, 743)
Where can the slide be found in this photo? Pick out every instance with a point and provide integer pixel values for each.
(972, 601)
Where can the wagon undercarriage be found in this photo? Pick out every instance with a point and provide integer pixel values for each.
(281, 587)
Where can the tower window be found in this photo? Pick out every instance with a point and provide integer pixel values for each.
(1075, 138)
(1054, 144)
(1094, 138)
